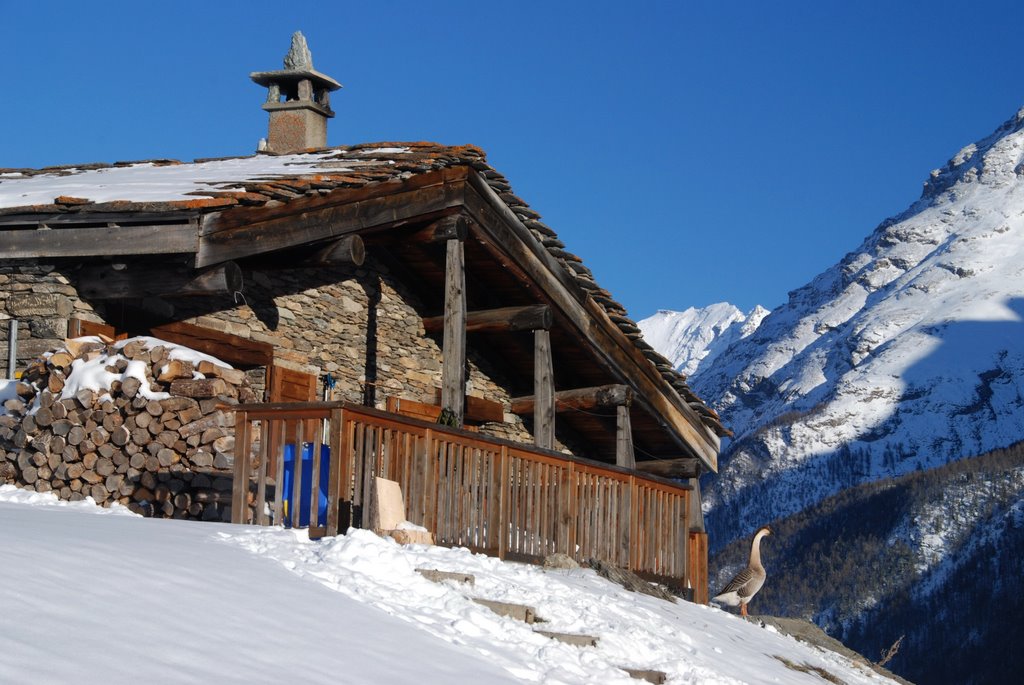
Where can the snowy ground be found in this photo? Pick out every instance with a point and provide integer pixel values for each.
(92, 595)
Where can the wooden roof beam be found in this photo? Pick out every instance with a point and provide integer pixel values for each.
(107, 283)
(347, 250)
(580, 398)
(180, 238)
(502, 319)
(454, 227)
(687, 467)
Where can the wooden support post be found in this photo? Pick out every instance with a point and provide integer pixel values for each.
(453, 372)
(623, 439)
(240, 486)
(543, 391)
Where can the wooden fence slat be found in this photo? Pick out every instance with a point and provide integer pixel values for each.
(296, 503)
(334, 479)
(431, 486)
(504, 486)
(314, 495)
(261, 483)
(277, 445)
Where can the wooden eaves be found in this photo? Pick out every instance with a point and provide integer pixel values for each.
(216, 237)
(244, 231)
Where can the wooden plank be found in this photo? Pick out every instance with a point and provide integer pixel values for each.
(629, 531)
(543, 391)
(407, 407)
(499, 320)
(232, 349)
(504, 489)
(103, 241)
(261, 487)
(163, 215)
(613, 395)
(221, 241)
(686, 467)
(572, 511)
(453, 371)
(296, 501)
(479, 409)
(342, 488)
(78, 328)
(278, 431)
(338, 471)
(624, 456)
(431, 480)
(509, 240)
(314, 496)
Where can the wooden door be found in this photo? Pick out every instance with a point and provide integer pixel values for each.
(289, 385)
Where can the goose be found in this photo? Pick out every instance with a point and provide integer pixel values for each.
(747, 582)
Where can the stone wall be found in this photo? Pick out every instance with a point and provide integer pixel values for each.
(360, 325)
(42, 300)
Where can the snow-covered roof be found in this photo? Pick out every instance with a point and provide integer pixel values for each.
(154, 187)
(252, 180)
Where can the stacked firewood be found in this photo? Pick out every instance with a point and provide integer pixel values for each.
(165, 449)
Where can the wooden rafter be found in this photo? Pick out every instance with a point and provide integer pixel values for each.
(516, 247)
(528, 318)
(580, 398)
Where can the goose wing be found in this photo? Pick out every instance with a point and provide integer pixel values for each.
(746, 582)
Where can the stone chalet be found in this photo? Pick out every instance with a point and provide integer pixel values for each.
(405, 277)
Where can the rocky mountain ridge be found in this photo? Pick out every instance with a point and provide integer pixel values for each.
(904, 356)
(695, 337)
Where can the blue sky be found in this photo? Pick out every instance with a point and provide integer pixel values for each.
(689, 152)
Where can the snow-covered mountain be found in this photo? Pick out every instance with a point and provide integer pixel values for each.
(694, 338)
(907, 354)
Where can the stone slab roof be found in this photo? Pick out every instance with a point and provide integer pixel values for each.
(206, 185)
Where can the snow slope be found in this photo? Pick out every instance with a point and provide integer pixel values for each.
(905, 355)
(94, 595)
(694, 338)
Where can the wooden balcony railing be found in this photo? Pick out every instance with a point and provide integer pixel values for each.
(490, 495)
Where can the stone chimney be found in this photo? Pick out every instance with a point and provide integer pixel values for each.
(299, 101)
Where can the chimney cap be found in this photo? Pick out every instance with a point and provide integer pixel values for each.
(298, 66)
